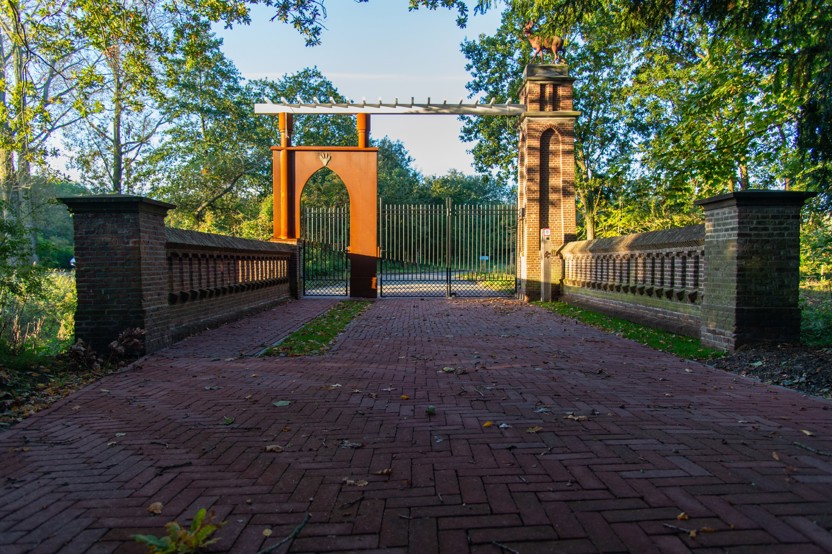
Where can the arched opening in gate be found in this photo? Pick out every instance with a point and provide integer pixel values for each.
(325, 234)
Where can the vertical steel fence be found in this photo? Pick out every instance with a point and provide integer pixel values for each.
(447, 250)
(426, 250)
(325, 234)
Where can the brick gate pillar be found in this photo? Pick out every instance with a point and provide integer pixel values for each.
(752, 268)
(546, 180)
(121, 274)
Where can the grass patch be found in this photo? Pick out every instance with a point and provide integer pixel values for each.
(678, 345)
(316, 336)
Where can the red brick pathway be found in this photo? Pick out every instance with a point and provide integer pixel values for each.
(626, 439)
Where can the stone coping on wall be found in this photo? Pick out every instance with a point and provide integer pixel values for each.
(676, 238)
(114, 203)
(756, 198)
(209, 241)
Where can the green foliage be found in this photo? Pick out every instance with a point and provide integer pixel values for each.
(816, 247)
(816, 309)
(398, 181)
(37, 313)
(316, 336)
(52, 222)
(183, 540)
(214, 158)
(678, 345)
(679, 100)
(323, 189)
(467, 189)
(36, 306)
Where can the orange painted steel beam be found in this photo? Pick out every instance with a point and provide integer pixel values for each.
(282, 195)
(362, 123)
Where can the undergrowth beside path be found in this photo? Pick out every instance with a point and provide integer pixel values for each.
(678, 345)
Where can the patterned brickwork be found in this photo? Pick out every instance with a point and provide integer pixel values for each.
(597, 444)
(546, 183)
(653, 278)
(121, 274)
(752, 268)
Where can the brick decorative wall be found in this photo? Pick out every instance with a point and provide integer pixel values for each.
(652, 278)
(213, 279)
(546, 180)
(133, 272)
(730, 282)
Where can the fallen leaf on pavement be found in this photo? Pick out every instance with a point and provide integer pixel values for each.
(354, 483)
(386, 471)
(807, 433)
(155, 508)
(682, 517)
(488, 424)
(267, 533)
(276, 448)
(534, 429)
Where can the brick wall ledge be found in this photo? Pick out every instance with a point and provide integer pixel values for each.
(676, 238)
(181, 238)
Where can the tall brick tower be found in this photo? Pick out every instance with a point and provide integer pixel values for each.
(546, 183)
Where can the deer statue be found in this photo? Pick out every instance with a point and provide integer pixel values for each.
(540, 43)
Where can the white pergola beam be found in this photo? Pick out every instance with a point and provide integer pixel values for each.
(390, 108)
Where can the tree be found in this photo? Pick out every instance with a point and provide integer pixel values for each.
(398, 181)
(214, 158)
(36, 58)
(467, 189)
(116, 101)
(669, 112)
(785, 44)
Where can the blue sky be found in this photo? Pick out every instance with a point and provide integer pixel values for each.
(373, 50)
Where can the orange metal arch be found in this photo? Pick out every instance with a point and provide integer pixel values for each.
(358, 169)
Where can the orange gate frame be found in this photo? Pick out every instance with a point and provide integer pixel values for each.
(358, 169)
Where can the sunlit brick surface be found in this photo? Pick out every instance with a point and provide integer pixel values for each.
(626, 440)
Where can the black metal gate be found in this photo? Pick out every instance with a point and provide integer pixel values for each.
(447, 250)
(325, 234)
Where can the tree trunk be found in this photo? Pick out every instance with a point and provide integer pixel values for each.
(118, 114)
(20, 204)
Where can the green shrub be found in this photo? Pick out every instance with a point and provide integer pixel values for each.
(37, 312)
(183, 540)
(816, 309)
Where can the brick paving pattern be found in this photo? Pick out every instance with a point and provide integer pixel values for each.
(597, 444)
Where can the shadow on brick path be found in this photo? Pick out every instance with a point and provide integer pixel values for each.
(597, 444)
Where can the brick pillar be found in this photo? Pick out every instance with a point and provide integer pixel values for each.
(752, 268)
(546, 183)
(121, 273)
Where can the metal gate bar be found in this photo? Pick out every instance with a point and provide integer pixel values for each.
(450, 250)
(325, 236)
